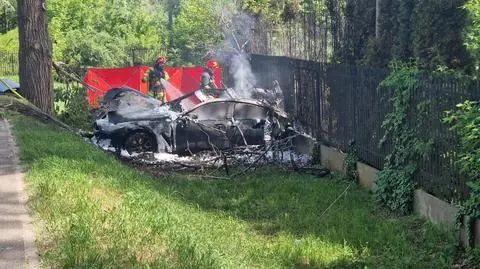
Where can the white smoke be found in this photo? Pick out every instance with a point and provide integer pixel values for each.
(242, 73)
(238, 33)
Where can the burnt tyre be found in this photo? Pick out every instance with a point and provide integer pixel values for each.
(140, 142)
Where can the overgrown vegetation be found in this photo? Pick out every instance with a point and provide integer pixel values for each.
(473, 31)
(96, 212)
(71, 107)
(351, 160)
(465, 121)
(102, 32)
(99, 33)
(8, 15)
(395, 185)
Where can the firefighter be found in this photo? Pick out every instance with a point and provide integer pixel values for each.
(154, 77)
(207, 81)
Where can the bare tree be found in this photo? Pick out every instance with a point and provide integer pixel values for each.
(35, 55)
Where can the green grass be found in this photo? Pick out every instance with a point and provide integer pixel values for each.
(12, 77)
(97, 213)
(9, 42)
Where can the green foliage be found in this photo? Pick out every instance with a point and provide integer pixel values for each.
(98, 213)
(197, 29)
(378, 51)
(395, 185)
(8, 15)
(351, 164)
(72, 107)
(473, 31)
(465, 121)
(99, 33)
(437, 33)
(90, 48)
(9, 42)
(427, 30)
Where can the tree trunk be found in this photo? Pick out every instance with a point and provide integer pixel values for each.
(35, 57)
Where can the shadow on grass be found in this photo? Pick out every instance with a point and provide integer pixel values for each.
(273, 203)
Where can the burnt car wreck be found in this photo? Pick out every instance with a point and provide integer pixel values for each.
(138, 123)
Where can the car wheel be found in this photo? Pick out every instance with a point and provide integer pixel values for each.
(140, 142)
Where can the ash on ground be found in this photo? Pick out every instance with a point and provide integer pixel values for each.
(163, 164)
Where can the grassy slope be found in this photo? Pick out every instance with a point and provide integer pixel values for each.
(98, 213)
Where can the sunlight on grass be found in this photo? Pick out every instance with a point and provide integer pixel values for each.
(12, 77)
(97, 213)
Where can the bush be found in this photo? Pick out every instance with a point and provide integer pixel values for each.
(395, 184)
(465, 121)
(88, 48)
(72, 107)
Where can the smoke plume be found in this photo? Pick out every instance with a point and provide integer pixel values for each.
(238, 33)
(242, 74)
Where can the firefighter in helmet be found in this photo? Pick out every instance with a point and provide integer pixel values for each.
(154, 77)
(207, 82)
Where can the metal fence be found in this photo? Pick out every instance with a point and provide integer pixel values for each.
(342, 103)
(8, 64)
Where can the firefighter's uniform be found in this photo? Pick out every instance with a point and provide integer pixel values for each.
(154, 77)
(207, 81)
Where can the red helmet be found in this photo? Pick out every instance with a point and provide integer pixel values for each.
(161, 60)
(212, 64)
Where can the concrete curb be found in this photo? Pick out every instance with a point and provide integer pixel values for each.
(17, 240)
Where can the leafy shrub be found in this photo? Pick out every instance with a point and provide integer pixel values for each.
(72, 107)
(395, 185)
(351, 160)
(465, 122)
(473, 31)
(94, 49)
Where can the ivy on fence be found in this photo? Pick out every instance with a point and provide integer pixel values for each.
(465, 121)
(395, 184)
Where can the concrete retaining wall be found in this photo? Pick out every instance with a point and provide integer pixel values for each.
(333, 159)
(440, 212)
(366, 175)
(434, 209)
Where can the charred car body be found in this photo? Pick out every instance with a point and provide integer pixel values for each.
(138, 123)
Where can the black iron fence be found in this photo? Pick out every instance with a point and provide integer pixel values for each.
(342, 103)
(8, 64)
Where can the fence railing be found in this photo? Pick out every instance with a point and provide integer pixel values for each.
(8, 64)
(339, 104)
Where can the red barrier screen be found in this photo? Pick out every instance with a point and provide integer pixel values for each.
(182, 80)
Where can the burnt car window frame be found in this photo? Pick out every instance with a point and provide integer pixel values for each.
(226, 116)
(235, 116)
